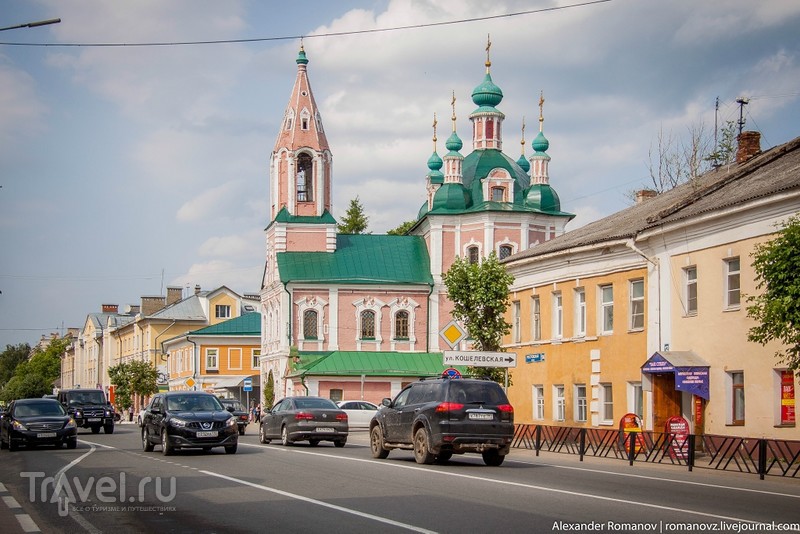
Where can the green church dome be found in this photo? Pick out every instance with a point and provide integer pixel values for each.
(453, 143)
(450, 197)
(543, 197)
(435, 162)
(540, 144)
(524, 164)
(487, 93)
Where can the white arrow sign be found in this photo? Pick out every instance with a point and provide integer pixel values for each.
(479, 359)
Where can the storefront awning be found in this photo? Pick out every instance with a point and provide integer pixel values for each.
(691, 371)
(234, 382)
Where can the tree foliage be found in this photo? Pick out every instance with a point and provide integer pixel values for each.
(777, 307)
(133, 378)
(354, 220)
(34, 376)
(402, 229)
(269, 393)
(479, 292)
(11, 358)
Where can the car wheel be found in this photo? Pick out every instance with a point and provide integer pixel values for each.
(376, 443)
(11, 445)
(166, 448)
(241, 431)
(313, 442)
(231, 449)
(262, 435)
(72, 443)
(422, 452)
(443, 457)
(108, 429)
(285, 437)
(493, 457)
(340, 443)
(147, 445)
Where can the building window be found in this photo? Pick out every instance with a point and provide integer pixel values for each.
(256, 360)
(637, 305)
(310, 324)
(607, 403)
(212, 359)
(473, 254)
(560, 403)
(506, 251)
(515, 332)
(305, 169)
(497, 194)
(401, 325)
(580, 312)
(538, 403)
(606, 309)
(690, 282)
(737, 397)
(580, 403)
(336, 395)
(635, 398)
(732, 287)
(536, 319)
(367, 324)
(304, 123)
(558, 316)
(222, 311)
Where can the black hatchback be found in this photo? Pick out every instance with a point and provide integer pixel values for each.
(37, 422)
(188, 419)
(441, 417)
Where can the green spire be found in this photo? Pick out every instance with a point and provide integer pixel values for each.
(301, 55)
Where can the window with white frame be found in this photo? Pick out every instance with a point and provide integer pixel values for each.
(606, 309)
(559, 403)
(222, 311)
(515, 326)
(401, 324)
(473, 254)
(256, 359)
(304, 178)
(538, 402)
(606, 404)
(636, 309)
(737, 397)
(580, 312)
(581, 406)
(690, 289)
(498, 194)
(536, 318)
(636, 398)
(558, 316)
(310, 324)
(732, 283)
(367, 324)
(505, 251)
(212, 359)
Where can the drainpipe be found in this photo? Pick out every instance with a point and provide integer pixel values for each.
(631, 244)
(196, 371)
(428, 321)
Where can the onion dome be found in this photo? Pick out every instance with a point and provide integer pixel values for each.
(542, 197)
(301, 56)
(523, 163)
(450, 196)
(454, 142)
(540, 144)
(487, 93)
(435, 162)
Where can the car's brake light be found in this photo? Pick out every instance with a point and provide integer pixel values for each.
(304, 416)
(449, 406)
(341, 417)
(505, 408)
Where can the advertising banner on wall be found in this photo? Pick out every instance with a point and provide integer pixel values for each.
(787, 398)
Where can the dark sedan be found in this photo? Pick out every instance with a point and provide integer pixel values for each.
(238, 411)
(188, 419)
(304, 418)
(33, 422)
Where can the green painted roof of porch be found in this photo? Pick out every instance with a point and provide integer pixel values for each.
(284, 216)
(370, 363)
(361, 259)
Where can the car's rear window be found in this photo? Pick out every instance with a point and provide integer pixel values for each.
(315, 403)
(477, 392)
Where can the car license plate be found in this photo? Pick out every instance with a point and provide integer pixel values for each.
(46, 435)
(325, 429)
(94, 419)
(481, 416)
(207, 434)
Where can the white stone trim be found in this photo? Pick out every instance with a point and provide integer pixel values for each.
(374, 304)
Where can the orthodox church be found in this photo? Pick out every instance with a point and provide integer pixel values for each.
(360, 316)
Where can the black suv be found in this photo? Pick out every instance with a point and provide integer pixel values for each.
(188, 419)
(89, 408)
(441, 417)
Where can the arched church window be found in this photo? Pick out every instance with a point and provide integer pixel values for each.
(401, 325)
(304, 124)
(310, 319)
(473, 254)
(498, 194)
(305, 178)
(506, 251)
(489, 129)
(368, 324)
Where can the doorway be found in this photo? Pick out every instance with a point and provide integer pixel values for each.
(666, 400)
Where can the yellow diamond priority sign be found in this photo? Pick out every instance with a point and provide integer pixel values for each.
(453, 333)
(189, 382)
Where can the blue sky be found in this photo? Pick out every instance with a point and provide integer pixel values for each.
(127, 169)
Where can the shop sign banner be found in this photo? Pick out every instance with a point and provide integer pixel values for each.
(787, 398)
(693, 380)
(677, 430)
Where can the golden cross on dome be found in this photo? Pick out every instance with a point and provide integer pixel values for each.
(541, 107)
(453, 104)
(523, 136)
(435, 122)
(301, 45)
(488, 47)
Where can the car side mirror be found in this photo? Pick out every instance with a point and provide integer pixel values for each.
(386, 402)
(230, 409)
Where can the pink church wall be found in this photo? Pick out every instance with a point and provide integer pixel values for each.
(374, 392)
(306, 241)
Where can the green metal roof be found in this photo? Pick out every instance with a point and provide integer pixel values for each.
(284, 216)
(361, 259)
(248, 324)
(370, 363)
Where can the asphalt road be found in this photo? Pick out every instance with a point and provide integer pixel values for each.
(113, 486)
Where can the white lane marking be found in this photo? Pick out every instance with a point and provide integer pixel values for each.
(528, 486)
(27, 524)
(82, 521)
(11, 502)
(3, 488)
(321, 503)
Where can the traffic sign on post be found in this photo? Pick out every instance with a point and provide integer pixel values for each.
(479, 359)
(248, 384)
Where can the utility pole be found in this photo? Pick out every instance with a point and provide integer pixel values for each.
(742, 101)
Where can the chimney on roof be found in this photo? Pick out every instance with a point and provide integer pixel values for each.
(644, 194)
(749, 146)
(150, 305)
(110, 308)
(197, 289)
(174, 294)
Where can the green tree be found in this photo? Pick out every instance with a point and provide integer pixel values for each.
(26, 386)
(119, 375)
(354, 220)
(402, 229)
(269, 393)
(479, 292)
(11, 358)
(35, 376)
(133, 378)
(777, 308)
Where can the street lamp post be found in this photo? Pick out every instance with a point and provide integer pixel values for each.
(32, 24)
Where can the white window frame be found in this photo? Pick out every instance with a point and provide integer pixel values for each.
(536, 318)
(222, 311)
(209, 355)
(317, 304)
(606, 309)
(606, 404)
(255, 359)
(558, 315)
(580, 312)
(730, 292)
(636, 398)
(634, 300)
(559, 403)
(397, 305)
(538, 402)
(373, 304)
(581, 404)
(689, 289)
(516, 331)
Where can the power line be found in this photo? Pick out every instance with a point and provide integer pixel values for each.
(296, 37)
